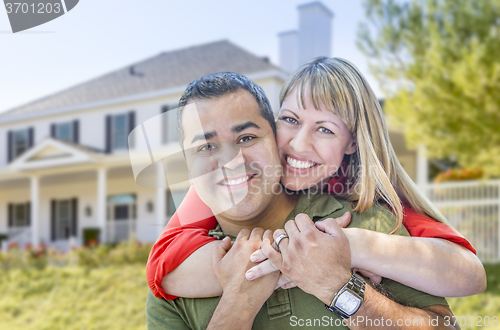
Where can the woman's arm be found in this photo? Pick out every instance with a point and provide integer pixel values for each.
(432, 265)
(195, 276)
(185, 233)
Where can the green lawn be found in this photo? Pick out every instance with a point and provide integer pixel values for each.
(108, 298)
(74, 298)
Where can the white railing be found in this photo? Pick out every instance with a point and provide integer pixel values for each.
(119, 230)
(19, 235)
(473, 208)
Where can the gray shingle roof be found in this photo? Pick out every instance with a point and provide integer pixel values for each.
(169, 69)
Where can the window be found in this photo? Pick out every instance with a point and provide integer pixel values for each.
(121, 212)
(170, 204)
(64, 132)
(121, 207)
(169, 124)
(118, 127)
(20, 142)
(67, 131)
(19, 215)
(120, 131)
(64, 219)
(174, 198)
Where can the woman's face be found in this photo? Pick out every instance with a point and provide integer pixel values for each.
(311, 143)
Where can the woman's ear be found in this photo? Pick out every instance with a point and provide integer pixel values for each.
(353, 145)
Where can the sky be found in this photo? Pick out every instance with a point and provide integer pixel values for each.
(98, 36)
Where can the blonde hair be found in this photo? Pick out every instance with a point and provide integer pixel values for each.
(374, 168)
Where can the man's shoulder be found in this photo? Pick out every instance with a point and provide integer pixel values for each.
(321, 206)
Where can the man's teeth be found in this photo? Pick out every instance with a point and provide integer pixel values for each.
(298, 164)
(235, 182)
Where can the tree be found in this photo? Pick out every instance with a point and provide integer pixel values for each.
(438, 62)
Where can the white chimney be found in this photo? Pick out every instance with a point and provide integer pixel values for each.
(313, 39)
(315, 31)
(289, 50)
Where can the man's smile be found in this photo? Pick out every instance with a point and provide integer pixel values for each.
(236, 182)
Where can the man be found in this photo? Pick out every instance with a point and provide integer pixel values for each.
(234, 166)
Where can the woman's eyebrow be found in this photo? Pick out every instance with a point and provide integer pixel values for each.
(327, 121)
(296, 115)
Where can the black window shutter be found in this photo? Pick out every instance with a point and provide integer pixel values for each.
(165, 124)
(53, 130)
(28, 214)
(76, 131)
(74, 217)
(9, 145)
(30, 137)
(53, 220)
(108, 134)
(11, 215)
(131, 126)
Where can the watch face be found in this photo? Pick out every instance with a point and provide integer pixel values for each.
(347, 302)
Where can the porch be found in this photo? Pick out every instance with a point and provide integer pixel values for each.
(58, 201)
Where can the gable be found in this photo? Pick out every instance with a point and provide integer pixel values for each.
(52, 153)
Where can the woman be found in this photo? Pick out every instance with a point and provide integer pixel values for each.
(331, 124)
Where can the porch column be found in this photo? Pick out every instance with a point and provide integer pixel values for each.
(161, 199)
(101, 201)
(34, 210)
(422, 169)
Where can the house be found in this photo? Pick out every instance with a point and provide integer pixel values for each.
(66, 174)
(65, 169)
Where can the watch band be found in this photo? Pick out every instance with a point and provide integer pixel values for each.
(355, 285)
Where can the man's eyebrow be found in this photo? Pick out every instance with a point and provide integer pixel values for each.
(206, 136)
(244, 126)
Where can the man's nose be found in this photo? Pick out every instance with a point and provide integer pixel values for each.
(232, 158)
(301, 142)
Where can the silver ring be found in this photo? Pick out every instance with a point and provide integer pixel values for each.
(276, 243)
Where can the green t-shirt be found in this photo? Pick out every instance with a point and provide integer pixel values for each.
(292, 307)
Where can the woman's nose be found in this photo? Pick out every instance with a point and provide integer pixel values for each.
(301, 142)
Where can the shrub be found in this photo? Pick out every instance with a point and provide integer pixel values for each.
(91, 256)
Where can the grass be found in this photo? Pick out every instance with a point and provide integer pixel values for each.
(113, 297)
(74, 298)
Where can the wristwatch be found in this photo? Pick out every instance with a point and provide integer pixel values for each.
(349, 298)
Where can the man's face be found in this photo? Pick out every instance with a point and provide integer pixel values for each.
(231, 154)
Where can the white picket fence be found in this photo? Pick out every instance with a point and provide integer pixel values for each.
(473, 208)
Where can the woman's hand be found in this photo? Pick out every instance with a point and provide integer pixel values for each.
(265, 266)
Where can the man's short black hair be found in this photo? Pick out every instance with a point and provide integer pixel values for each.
(218, 84)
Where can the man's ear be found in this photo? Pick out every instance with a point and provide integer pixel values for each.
(353, 145)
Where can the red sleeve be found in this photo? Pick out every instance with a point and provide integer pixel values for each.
(185, 233)
(419, 225)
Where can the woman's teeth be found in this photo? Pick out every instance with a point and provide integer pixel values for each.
(235, 182)
(299, 164)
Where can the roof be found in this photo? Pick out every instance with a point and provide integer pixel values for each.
(166, 70)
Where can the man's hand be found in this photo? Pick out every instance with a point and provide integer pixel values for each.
(358, 244)
(241, 299)
(317, 262)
